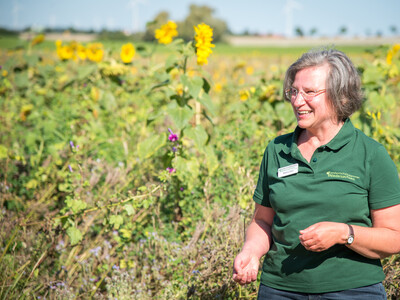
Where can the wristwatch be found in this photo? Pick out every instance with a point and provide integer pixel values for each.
(350, 238)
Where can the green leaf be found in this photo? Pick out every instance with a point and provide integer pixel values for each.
(285, 113)
(379, 102)
(31, 184)
(206, 85)
(187, 170)
(150, 146)
(85, 71)
(129, 209)
(75, 235)
(108, 101)
(212, 160)
(372, 75)
(21, 80)
(171, 61)
(179, 115)
(194, 84)
(206, 100)
(76, 205)
(3, 152)
(198, 135)
(117, 221)
(32, 60)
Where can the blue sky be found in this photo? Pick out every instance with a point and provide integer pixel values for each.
(361, 17)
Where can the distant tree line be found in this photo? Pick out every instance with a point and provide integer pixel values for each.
(197, 14)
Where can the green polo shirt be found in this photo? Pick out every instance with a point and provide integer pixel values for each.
(344, 180)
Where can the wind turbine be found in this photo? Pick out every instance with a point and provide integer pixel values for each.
(134, 6)
(16, 9)
(290, 6)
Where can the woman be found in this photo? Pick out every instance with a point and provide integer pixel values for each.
(327, 198)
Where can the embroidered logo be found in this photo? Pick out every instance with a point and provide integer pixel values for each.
(341, 175)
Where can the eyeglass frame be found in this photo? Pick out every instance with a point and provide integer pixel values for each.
(305, 96)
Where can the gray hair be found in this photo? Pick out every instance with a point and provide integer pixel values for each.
(343, 84)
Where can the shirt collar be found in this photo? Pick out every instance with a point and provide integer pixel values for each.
(342, 138)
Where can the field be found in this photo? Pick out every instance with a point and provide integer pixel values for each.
(134, 180)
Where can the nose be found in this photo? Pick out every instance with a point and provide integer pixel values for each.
(295, 100)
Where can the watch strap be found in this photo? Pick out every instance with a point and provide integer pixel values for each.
(350, 238)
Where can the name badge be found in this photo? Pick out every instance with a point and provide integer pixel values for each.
(288, 170)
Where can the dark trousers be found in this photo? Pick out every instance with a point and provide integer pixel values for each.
(371, 292)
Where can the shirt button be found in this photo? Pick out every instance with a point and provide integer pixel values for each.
(314, 159)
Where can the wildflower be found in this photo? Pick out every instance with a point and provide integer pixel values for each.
(391, 53)
(64, 52)
(244, 95)
(182, 189)
(249, 70)
(172, 137)
(174, 149)
(4, 73)
(37, 39)
(95, 52)
(71, 143)
(60, 246)
(95, 251)
(115, 267)
(218, 87)
(127, 53)
(166, 33)
(70, 168)
(81, 52)
(203, 39)
(26, 111)
(170, 170)
(179, 89)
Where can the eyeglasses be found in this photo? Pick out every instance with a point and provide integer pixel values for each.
(291, 94)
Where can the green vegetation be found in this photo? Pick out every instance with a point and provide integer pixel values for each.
(134, 181)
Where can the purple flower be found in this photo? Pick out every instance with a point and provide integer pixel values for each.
(170, 170)
(71, 143)
(95, 251)
(174, 149)
(70, 168)
(181, 189)
(172, 137)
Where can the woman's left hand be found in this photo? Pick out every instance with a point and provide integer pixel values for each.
(321, 236)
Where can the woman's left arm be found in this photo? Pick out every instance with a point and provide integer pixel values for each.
(379, 241)
(383, 238)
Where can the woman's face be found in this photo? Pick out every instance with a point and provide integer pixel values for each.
(317, 113)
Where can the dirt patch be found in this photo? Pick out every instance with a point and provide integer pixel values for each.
(308, 41)
(66, 36)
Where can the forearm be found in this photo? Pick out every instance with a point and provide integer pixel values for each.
(258, 238)
(375, 242)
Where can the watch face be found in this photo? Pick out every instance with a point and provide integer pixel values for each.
(350, 239)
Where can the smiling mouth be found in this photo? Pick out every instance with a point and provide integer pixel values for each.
(304, 112)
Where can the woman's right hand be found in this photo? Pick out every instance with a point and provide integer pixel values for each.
(245, 268)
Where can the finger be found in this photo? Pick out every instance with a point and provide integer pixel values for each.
(244, 279)
(240, 262)
(237, 266)
(309, 228)
(254, 275)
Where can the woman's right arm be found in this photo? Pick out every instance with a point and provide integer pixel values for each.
(257, 243)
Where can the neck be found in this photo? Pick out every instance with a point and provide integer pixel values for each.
(321, 136)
